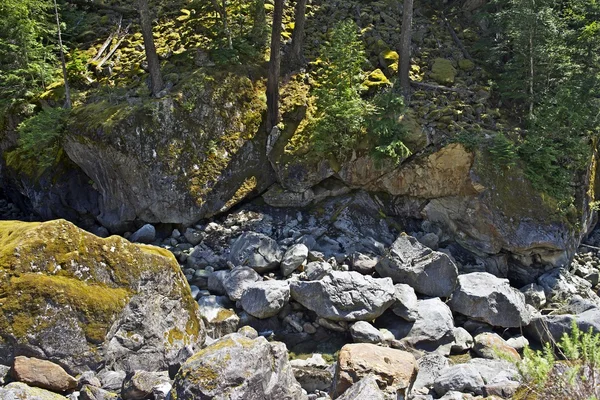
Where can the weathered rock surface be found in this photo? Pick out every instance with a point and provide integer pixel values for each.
(256, 251)
(394, 370)
(89, 392)
(238, 368)
(20, 391)
(294, 257)
(82, 301)
(218, 316)
(406, 305)
(552, 327)
(411, 263)
(43, 374)
(345, 296)
(265, 299)
(430, 367)
(482, 296)
(140, 385)
(492, 346)
(366, 388)
(237, 280)
(364, 332)
(473, 376)
(146, 234)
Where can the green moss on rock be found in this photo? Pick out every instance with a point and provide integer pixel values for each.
(443, 72)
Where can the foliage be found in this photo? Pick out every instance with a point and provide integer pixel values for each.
(340, 120)
(575, 376)
(77, 70)
(503, 150)
(385, 126)
(26, 49)
(39, 144)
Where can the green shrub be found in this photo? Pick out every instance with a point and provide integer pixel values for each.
(40, 141)
(573, 375)
(386, 128)
(340, 120)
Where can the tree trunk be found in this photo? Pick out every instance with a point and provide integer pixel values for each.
(156, 82)
(298, 34)
(274, 67)
(405, 39)
(62, 60)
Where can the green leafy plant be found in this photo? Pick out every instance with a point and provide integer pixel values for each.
(386, 127)
(572, 375)
(340, 121)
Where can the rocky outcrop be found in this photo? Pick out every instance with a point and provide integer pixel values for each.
(174, 160)
(345, 296)
(236, 367)
(82, 302)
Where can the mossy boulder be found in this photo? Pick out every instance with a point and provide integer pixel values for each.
(82, 302)
(178, 159)
(237, 367)
(375, 81)
(466, 65)
(443, 72)
(388, 59)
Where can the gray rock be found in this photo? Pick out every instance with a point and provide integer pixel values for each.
(4, 377)
(112, 380)
(552, 327)
(433, 328)
(195, 291)
(219, 319)
(192, 236)
(20, 391)
(518, 342)
(316, 270)
(559, 286)
(238, 368)
(430, 240)
(266, 298)
(248, 331)
(237, 280)
(294, 257)
(364, 332)
(430, 367)
(578, 305)
(405, 305)
(140, 385)
(89, 392)
(363, 263)
(534, 295)
(463, 341)
(312, 378)
(146, 234)
(88, 378)
(366, 388)
(482, 296)
(215, 282)
(345, 296)
(256, 251)
(460, 378)
(408, 261)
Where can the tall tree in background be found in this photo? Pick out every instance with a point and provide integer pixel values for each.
(62, 59)
(222, 10)
(260, 31)
(405, 44)
(296, 55)
(156, 84)
(274, 67)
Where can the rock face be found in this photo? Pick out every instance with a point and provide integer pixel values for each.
(81, 301)
(394, 370)
(42, 374)
(238, 368)
(484, 297)
(198, 156)
(345, 296)
(256, 251)
(411, 263)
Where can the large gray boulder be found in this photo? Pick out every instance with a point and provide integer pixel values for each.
(430, 367)
(294, 257)
(238, 368)
(218, 316)
(265, 299)
(406, 305)
(366, 388)
(429, 272)
(236, 281)
(552, 327)
(146, 234)
(257, 251)
(484, 297)
(345, 296)
(364, 332)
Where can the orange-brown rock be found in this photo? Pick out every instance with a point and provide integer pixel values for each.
(491, 345)
(43, 374)
(394, 370)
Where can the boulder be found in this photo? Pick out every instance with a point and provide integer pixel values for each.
(218, 317)
(266, 298)
(474, 375)
(406, 305)
(236, 367)
(545, 328)
(294, 257)
(256, 251)
(364, 332)
(112, 380)
(19, 390)
(535, 295)
(316, 270)
(175, 174)
(463, 341)
(394, 370)
(146, 234)
(345, 296)
(560, 286)
(89, 392)
(237, 280)
(484, 297)
(140, 385)
(366, 388)
(491, 345)
(433, 328)
(43, 374)
(82, 301)
(430, 367)
(411, 263)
